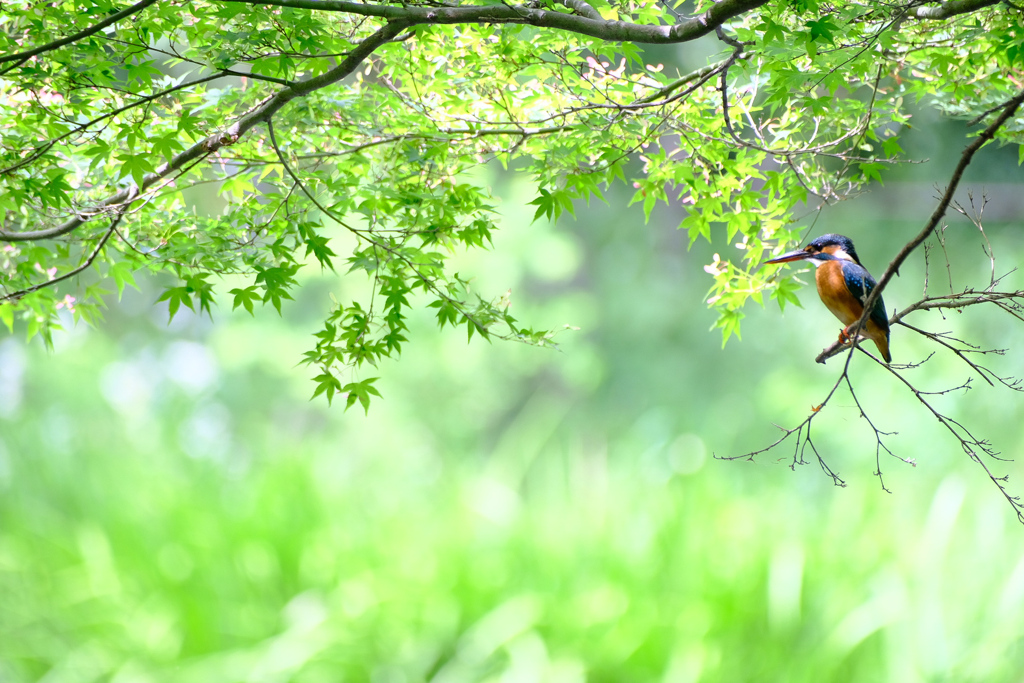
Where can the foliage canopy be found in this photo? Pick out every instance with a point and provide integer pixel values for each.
(346, 134)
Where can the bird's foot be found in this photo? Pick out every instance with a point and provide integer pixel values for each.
(845, 337)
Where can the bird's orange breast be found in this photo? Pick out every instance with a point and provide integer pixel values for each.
(835, 294)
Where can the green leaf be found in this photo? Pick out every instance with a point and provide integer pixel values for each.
(891, 147)
(772, 31)
(785, 291)
(392, 161)
(201, 290)
(122, 273)
(871, 170)
(317, 245)
(326, 384)
(245, 297)
(822, 29)
(360, 391)
(447, 312)
(167, 146)
(175, 297)
(546, 205)
(729, 322)
(135, 165)
(7, 315)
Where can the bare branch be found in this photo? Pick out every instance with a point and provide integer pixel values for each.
(1011, 302)
(938, 339)
(988, 134)
(803, 440)
(973, 446)
(879, 442)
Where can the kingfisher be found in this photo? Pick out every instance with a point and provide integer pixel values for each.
(844, 285)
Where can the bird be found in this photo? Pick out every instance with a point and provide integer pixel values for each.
(844, 285)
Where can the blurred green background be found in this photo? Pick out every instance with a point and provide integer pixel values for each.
(173, 508)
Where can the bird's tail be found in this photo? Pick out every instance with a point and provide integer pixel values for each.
(882, 342)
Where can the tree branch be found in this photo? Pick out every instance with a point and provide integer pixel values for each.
(399, 19)
(973, 446)
(701, 73)
(968, 297)
(85, 264)
(228, 136)
(582, 8)
(1010, 108)
(96, 28)
(46, 146)
(945, 10)
(596, 27)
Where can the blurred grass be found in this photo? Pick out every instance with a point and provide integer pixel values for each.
(173, 509)
(342, 559)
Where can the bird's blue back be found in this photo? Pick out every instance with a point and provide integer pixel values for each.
(860, 283)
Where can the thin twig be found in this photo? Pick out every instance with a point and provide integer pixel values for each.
(70, 274)
(1009, 109)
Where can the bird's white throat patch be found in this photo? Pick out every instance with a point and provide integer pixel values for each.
(840, 253)
(835, 252)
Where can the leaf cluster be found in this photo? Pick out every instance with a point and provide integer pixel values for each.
(356, 132)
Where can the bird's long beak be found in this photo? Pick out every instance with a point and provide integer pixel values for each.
(791, 256)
